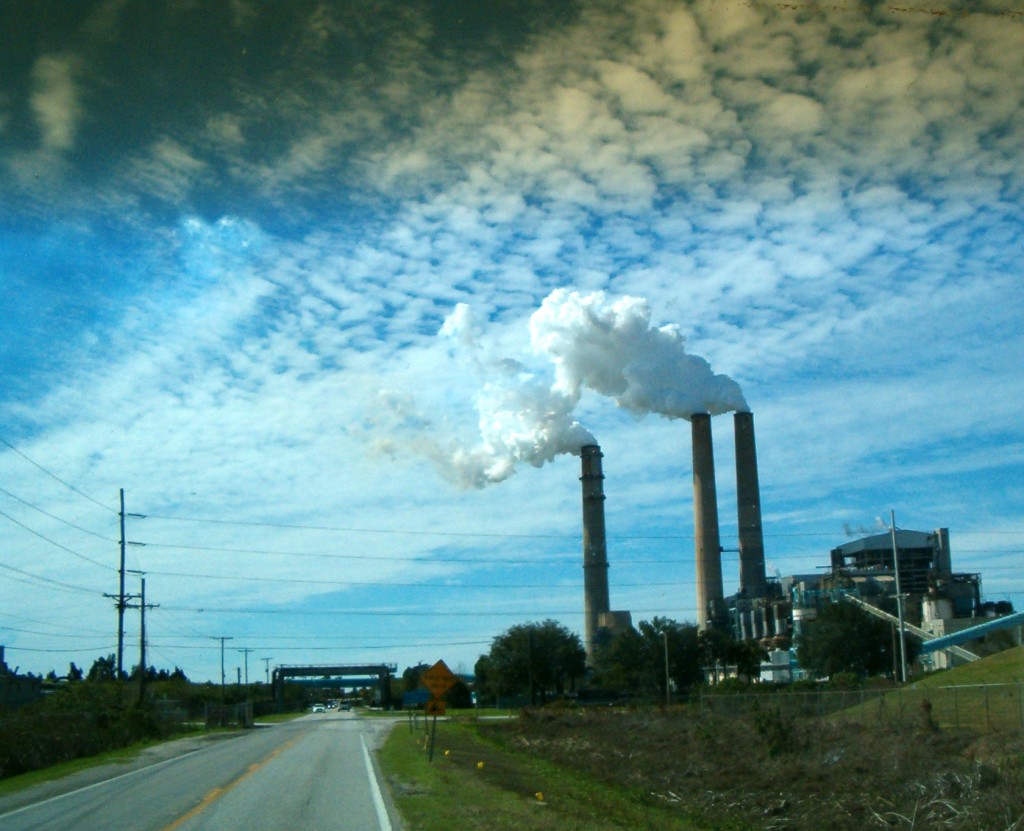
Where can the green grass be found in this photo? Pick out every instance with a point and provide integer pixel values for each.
(274, 718)
(111, 757)
(1006, 667)
(983, 695)
(121, 755)
(474, 783)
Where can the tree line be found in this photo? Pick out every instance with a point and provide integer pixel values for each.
(543, 661)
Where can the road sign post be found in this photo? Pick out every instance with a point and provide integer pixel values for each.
(438, 679)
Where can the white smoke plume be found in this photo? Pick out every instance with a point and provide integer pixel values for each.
(610, 348)
(522, 417)
(526, 416)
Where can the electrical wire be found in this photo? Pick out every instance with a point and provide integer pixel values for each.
(392, 584)
(409, 612)
(53, 516)
(470, 534)
(49, 581)
(57, 544)
(53, 475)
(568, 557)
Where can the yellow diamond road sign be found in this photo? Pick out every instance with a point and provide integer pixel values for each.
(438, 679)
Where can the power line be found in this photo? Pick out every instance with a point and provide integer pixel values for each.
(53, 475)
(411, 612)
(53, 516)
(103, 649)
(57, 544)
(346, 648)
(49, 580)
(51, 634)
(567, 557)
(471, 534)
(356, 530)
(396, 584)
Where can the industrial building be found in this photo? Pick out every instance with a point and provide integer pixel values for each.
(916, 566)
(599, 621)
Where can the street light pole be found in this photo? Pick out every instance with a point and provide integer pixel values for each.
(266, 666)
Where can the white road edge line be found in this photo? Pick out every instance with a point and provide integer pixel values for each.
(378, 798)
(95, 785)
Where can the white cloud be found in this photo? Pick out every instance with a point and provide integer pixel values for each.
(844, 241)
(55, 101)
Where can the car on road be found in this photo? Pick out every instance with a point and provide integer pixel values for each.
(318, 708)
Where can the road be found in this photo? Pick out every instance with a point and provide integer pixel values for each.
(314, 773)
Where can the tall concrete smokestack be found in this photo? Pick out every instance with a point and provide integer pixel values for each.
(748, 505)
(705, 523)
(595, 551)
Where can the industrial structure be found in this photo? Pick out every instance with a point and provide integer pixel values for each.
(376, 676)
(599, 621)
(916, 566)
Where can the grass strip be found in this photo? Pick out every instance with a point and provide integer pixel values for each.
(474, 783)
(121, 755)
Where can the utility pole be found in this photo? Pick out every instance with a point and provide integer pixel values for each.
(221, 638)
(668, 688)
(899, 597)
(121, 599)
(142, 637)
(246, 652)
(266, 666)
(142, 629)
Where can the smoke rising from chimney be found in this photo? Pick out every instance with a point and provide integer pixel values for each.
(522, 417)
(611, 348)
(587, 342)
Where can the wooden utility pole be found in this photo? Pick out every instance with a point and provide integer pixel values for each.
(142, 630)
(120, 597)
(245, 651)
(221, 638)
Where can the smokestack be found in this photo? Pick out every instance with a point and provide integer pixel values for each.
(595, 552)
(748, 506)
(705, 523)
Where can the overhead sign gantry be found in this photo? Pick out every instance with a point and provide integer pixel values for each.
(338, 675)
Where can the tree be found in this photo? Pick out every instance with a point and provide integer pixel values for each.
(719, 649)
(74, 673)
(536, 659)
(634, 660)
(845, 638)
(102, 669)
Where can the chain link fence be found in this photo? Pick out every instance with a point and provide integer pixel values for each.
(982, 707)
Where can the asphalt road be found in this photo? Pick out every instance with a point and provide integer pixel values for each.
(315, 773)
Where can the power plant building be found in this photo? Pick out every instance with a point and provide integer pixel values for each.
(936, 601)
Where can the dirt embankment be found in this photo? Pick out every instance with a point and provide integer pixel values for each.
(770, 772)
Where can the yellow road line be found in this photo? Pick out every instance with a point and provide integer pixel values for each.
(217, 793)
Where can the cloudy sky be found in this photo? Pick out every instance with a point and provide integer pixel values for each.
(333, 289)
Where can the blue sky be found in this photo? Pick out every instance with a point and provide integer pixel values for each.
(233, 234)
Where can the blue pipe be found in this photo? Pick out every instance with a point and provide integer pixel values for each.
(964, 635)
